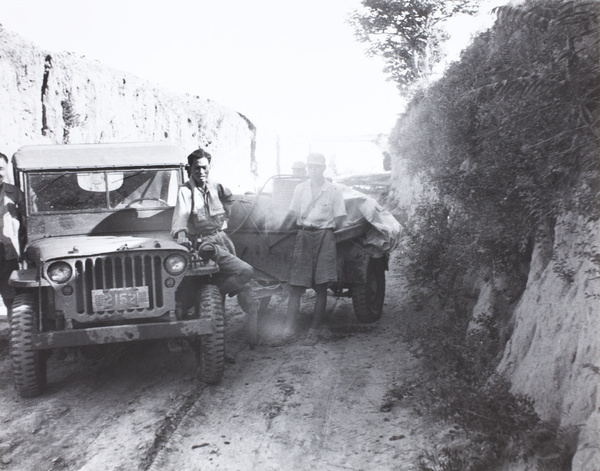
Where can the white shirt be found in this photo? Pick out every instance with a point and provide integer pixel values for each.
(319, 212)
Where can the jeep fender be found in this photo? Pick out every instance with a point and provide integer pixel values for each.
(27, 279)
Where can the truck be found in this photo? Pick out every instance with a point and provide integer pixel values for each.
(261, 238)
(100, 266)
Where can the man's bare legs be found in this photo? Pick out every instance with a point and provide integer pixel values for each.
(320, 305)
(293, 308)
(318, 314)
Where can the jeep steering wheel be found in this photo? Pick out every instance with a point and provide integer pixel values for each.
(137, 200)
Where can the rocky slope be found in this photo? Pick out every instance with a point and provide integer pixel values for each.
(60, 98)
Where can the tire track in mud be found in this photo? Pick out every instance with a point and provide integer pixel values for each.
(169, 427)
(258, 391)
(95, 414)
(301, 408)
(282, 383)
(331, 376)
(168, 430)
(346, 426)
(264, 402)
(174, 428)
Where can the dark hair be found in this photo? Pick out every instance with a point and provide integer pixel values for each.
(2, 156)
(198, 154)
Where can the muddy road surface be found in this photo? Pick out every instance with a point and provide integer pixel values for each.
(294, 407)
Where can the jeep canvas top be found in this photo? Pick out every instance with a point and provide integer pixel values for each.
(81, 156)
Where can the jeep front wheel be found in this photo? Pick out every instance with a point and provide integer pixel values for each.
(28, 365)
(210, 348)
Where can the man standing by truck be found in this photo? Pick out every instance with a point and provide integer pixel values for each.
(12, 232)
(318, 208)
(200, 215)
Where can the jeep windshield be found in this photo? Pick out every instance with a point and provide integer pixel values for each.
(104, 190)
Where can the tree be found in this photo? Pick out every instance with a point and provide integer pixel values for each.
(407, 34)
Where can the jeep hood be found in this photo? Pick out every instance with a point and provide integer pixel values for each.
(85, 246)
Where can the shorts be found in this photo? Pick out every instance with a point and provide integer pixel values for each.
(314, 261)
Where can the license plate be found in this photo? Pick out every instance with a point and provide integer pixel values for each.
(118, 299)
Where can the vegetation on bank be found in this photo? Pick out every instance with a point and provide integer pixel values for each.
(505, 142)
(508, 139)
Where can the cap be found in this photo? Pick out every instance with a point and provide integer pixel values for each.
(298, 164)
(316, 159)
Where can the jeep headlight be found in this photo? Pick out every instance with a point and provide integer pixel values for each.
(175, 264)
(59, 272)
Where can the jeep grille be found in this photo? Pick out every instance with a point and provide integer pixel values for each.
(118, 271)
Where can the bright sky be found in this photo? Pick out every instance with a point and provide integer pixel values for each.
(292, 67)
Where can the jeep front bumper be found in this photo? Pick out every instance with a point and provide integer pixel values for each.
(121, 333)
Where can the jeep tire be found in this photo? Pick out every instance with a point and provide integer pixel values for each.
(210, 348)
(28, 365)
(367, 298)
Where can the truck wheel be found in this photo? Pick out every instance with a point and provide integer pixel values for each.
(210, 348)
(367, 298)
(28, 365)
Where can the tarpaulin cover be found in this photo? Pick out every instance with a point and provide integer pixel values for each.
(266, 211)
(384, 232)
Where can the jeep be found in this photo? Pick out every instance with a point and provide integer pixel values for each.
(100, 266)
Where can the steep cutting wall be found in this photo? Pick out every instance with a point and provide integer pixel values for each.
(59, 98)
(553, 350)
(553, 355)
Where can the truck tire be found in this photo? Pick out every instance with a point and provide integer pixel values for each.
(210, 348)
(367, 298)
(28, 365)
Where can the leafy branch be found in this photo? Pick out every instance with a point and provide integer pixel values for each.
(407, 34)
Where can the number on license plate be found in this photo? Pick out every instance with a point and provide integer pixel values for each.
(118, 299)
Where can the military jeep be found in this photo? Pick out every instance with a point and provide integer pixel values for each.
(100, 266)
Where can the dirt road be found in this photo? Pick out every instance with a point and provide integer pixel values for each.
(277, 408)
